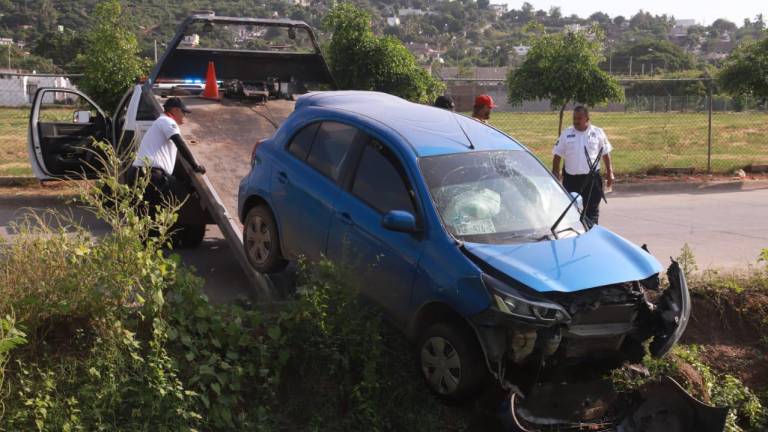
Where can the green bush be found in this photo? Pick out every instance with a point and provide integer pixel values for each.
(120, 337)
(363, 61)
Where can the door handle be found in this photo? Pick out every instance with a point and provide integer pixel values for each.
(282, 177)
(346, 218)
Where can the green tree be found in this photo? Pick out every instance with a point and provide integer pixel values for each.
(110, 63)
(563, 68)
(361, 60)
(745, 71)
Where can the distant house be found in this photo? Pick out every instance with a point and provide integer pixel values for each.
(393, 21)
(424, 53)
(412, 12)
(575, 28)
(680, 29)
(190, 41)
(6, 41)
(499, 9)
(18, 89)
(521, 50)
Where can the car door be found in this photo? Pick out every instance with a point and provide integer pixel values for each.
(64, 124)
(306, 184)
(382, 262)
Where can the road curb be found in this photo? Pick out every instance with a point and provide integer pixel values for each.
(7, 181)
(673, 187)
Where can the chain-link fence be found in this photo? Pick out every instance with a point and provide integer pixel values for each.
(16, 93)
(663, 125)
(17, 90)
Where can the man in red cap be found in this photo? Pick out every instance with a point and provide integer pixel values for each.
(482, 109)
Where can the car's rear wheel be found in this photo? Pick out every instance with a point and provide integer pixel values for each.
(451, 361)
(261, 241)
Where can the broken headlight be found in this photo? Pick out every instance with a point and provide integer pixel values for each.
(509, 301)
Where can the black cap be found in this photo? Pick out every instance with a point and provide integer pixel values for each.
(445, 102)
(175, 102)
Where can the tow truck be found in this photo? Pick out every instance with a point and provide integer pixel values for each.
(275, 60)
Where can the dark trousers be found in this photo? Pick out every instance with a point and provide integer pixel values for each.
(590, 194)
(162, 187)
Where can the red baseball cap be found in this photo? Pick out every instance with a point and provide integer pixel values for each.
(484, 100)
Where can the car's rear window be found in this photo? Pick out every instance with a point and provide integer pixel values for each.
(331, 146)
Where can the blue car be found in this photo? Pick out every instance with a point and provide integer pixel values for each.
(449, 228)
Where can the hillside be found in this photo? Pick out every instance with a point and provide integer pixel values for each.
(458, 33)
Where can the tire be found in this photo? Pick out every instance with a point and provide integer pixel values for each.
(442, 346)
(188, 236)
(261, 241)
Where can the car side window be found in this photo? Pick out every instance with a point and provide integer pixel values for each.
(302, 141)
(330, 148)
(378, 181)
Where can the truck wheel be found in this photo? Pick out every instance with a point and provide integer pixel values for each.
(451, 361)
(261, 241)
(188, 236)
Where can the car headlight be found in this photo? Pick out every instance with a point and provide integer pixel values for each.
(509, 301)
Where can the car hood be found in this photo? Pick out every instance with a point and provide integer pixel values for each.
(595, 258)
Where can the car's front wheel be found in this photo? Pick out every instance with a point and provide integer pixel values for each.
(261, 242)
(451, 361)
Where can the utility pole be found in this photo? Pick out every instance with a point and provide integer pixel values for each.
(9, 57)
(642, 69)
(155, 50)
(610, 64)
(630, 65)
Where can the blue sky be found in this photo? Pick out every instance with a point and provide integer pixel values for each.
(702, 11)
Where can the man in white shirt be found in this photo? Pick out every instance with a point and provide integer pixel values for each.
(580, 146)
(157, 155)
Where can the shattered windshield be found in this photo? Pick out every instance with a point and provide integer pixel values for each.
(247, 37)
(497, 196)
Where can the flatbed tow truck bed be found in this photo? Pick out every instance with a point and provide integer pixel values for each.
(221, 136)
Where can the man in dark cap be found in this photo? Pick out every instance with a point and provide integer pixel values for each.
(445, 102)
(157, 155)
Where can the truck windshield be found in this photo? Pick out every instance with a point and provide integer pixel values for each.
(246, 37)
(497, 196)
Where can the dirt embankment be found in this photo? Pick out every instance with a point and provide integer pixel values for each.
(732, 330)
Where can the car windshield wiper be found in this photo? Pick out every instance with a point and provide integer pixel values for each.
(592, 170)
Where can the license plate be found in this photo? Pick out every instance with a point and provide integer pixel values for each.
(480, 226)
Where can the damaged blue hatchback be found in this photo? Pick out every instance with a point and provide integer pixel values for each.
(460, 236)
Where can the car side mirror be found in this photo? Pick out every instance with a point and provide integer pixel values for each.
(400, 221)
(579, 201)
(81, 117)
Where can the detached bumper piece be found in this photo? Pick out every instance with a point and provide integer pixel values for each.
(662, 406)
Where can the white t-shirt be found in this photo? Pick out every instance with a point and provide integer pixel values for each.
(571, 144)
(156, 145)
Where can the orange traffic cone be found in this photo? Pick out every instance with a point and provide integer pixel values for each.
(211, 86)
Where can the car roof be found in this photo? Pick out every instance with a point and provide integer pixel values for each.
(430, 131)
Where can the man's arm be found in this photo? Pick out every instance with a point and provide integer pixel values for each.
(556, 166)
(186, 154)
(608, 170)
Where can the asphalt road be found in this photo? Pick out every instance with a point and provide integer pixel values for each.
(725, 229)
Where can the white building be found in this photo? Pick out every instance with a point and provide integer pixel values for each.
(393, 21)
(499, 9)
(17, 90)
(190, 41)
(521, 50)
(680, 29)
(411, 12)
